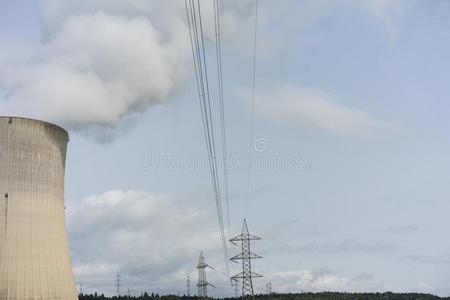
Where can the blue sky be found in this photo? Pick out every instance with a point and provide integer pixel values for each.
(355, 92)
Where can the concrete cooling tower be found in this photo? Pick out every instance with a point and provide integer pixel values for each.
(34, 253)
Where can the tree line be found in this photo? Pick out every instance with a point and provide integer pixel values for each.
(293, 296)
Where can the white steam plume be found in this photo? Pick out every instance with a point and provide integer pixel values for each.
(103, 60)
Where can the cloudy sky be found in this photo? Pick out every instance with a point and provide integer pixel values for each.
(350, 187)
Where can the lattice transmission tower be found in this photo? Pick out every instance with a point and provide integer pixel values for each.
(118, 284)
(246, 276)
(236, 288)
(269, 288)
(188, 285)
(202, 283)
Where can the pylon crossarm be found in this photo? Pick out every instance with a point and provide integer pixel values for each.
(233, 242)
(253, 237)
(242, 275)
(245, 256)
(253, 255)
(245, 237)
(237, 276)
(236, 257)
(234, 260)
(237, 238)
(202, 266)
(256, 275)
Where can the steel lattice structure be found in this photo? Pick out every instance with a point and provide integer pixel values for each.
(188, 286)
(246, 255)
(202, 283)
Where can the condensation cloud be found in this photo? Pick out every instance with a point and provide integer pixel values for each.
(101, 61)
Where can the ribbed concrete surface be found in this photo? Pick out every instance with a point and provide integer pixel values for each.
(34, 254)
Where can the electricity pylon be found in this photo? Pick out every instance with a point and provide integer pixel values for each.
(236, 288)
(188, 285)
(202, 283)
(246, 276)
(269, 290)
(118, 284)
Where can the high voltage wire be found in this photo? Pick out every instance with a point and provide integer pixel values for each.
(251, 145)
(196, 33)
(221, 108)
(194, 19)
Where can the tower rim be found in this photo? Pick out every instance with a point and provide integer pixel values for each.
(37, 121)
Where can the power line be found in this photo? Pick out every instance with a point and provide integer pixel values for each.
(194, 19)
(252, 107)
(276, 264)
(222, 108)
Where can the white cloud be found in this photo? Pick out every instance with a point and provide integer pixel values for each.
(105, 60)
(303, 107)
(437, 259)
(153, 240)
(388, 12)
(162, 13)
(95, 70)
(148, 238)
(292, 16)
(321, 280)
(345, 245)
(102, 61)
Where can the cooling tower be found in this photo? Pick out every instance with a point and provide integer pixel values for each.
(34, 253)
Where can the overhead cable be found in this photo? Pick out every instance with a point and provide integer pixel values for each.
(252, 113)
(194, 19)
(222, 108)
